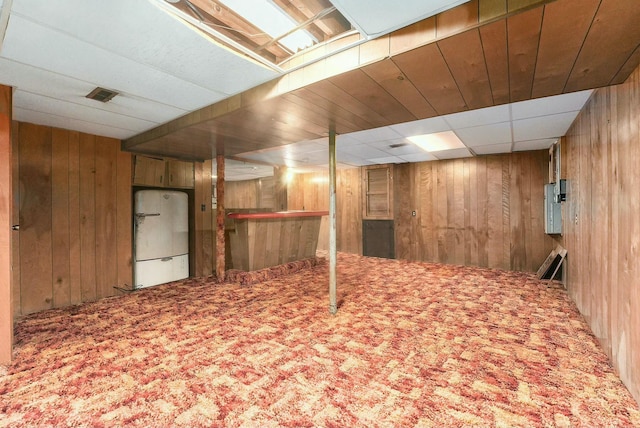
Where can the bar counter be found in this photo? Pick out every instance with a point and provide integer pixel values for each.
(261, 240)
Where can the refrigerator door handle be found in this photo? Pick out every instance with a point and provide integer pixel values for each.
(166, 259)
(147, 215)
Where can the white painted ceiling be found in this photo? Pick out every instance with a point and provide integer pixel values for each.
(55, 52)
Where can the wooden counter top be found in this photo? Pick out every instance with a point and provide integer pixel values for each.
(280, 214)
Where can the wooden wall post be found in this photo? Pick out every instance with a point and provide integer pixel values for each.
(220, 244)
(6, 310)
(333, 252)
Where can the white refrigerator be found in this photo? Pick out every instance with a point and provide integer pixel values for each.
(161, 231)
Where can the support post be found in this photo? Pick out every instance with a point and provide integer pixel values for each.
(6, 202)
(333, 252)
(220, 241)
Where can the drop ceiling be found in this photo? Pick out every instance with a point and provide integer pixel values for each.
(507, 83)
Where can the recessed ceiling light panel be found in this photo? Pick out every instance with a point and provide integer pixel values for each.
(437, 142)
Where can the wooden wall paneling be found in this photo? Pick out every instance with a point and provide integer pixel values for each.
(457, 212)
(633, 85)
(199, 261)
(387, 74)
(470, 237)
(555, 60)
(442, 214)
(6, 220)
(296, 190)
(506, 212)
(105, 195)
(35, 218)
(435, 82)
(584, 223)
(87, 145)
(607, 47)
(15, 217)
(495, 236)
(124, 220)
(60, 224)
(426, 213)
(541, 244)
(75, 265)
(518, 209)
(628, 266)
(403, 191)
(208, 241)
(615, 288)
(603, 204)
(599, 293)
(494, 44)
(280, 177)
(523, 34)
(465, 58)
(349, 210)
(483, 203)
(242, 194)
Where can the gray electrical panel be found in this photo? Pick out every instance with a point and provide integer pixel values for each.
(552, 211)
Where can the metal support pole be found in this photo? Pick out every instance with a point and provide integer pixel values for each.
(333, 252)
(220, 244)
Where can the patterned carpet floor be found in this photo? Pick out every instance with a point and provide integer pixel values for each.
(413, 344)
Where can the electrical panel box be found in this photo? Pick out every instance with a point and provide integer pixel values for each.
(552, 211)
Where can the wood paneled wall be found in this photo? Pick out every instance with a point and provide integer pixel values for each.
(482, 211)
(6, 303)
(601, 220)
(73, 202)
(204, 234)
(311, 192)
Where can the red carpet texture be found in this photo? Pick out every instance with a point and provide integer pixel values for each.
(413, 344)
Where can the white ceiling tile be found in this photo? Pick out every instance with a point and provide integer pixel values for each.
(39, 81)
(484, 116)
(396, 147)
(345, 140)
(493, 149)
(362, 150)
(378, 17)
(387, 159)
(543, 127)
(453, 154)
(45, 48)
(39, 103)
(550, 105)
(377, 134)
(522, 146)
(420, 127)
(47, 119)
(146, 34)
(419, 157)
(485, 135)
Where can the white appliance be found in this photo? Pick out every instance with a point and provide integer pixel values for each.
(161, 243)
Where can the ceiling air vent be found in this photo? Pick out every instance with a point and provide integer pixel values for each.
(101, 94)
(395, 146)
